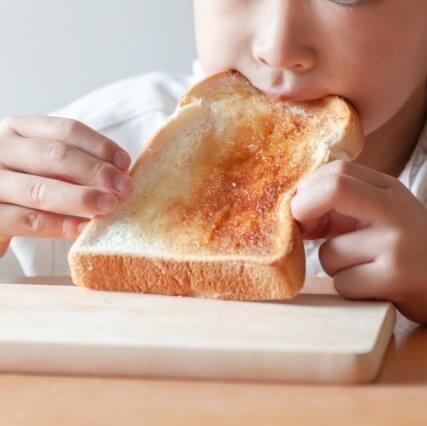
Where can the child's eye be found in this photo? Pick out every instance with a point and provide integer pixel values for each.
(347, 2)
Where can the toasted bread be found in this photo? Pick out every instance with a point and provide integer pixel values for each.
(210, 214)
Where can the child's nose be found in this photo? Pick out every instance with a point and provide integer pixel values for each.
(283, 36)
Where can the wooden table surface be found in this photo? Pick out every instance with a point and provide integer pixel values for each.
(399, 396)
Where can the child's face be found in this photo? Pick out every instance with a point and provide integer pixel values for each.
(372, 52)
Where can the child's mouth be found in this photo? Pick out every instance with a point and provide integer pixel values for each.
(292, 97)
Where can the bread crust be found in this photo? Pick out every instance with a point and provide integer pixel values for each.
(232, 280)
(278, 276)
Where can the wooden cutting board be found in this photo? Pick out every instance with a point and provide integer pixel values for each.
(71, 330)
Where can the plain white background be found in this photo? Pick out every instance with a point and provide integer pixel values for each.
(53, 51)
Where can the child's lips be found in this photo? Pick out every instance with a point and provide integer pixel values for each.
(285, 97)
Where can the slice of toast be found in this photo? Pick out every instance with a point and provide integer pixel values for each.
(210, 213)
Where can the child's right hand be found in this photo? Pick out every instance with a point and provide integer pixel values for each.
(51, 168)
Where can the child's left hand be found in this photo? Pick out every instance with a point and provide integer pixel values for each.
(376, 233)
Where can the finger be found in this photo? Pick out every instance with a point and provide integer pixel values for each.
(315, 229)
(346, 195)
(22, 221)
(72, 132)
(348, 168)
(59, 160)
(361, 282)
(4, 244)
(52, 195)
(328, 226)
(348, 250)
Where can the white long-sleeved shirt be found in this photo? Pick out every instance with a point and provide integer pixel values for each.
(129, 111)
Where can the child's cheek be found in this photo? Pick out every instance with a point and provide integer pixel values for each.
(378, 61)
(379, 98)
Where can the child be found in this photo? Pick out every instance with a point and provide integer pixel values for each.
(369, 217)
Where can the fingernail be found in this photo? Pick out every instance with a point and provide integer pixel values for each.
(302, 183)
(106, 202)
(121, 160)
(293, 204)
(67, 227)
(123, 183)
(81, 226)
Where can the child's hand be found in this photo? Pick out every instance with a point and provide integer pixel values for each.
(51, 168)
(376, 234)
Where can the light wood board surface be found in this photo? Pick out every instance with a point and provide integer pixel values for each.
(310, 339)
